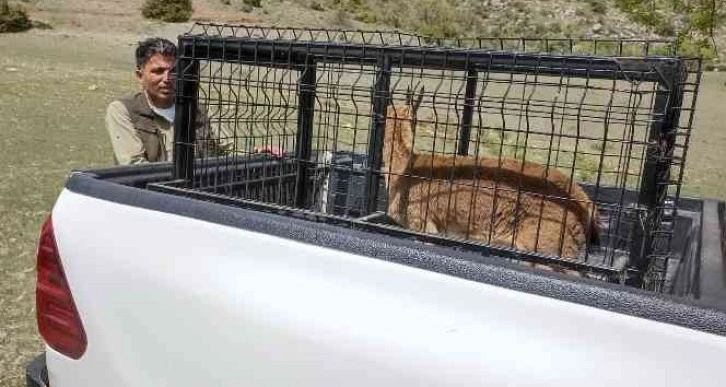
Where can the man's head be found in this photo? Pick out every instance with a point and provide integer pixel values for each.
(155, 59)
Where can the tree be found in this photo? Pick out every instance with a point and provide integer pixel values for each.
(13, 19)
(167, 10)
(692, 22)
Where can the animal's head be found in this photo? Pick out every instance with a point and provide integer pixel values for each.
(409, 110)
(401, 122)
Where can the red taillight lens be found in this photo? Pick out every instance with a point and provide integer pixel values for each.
(58, 319)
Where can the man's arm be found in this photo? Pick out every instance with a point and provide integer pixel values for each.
(219, 140)
(127, 145)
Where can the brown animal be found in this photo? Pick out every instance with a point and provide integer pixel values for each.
(504, 202)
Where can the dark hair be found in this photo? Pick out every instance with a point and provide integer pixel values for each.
(152, 46)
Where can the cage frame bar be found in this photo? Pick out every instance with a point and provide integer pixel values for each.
(467, 114)
(380, 99)
(304, 141)
(648, 69)
(399, 38)
(187, 85)
(657, 166)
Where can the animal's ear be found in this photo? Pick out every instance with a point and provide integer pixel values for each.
(409, 96)
(417, 102)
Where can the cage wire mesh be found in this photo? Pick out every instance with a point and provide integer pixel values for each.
(584, 45)
(562, 152)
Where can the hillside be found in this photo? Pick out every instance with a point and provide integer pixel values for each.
(447, 18)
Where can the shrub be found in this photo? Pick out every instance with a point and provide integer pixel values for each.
(366, 17)
(167, 10)
(317, 5)
(348, 5)
(13, 19)
(253, 3)
(689, 46)
(437, 19)
(41, 25)
(598, 7)
(340, 18)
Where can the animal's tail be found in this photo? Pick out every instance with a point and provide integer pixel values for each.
(595, 229)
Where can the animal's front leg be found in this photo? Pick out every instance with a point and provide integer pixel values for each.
(396, 208)
(432, 226)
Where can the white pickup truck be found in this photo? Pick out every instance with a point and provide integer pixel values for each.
(254, 270)
(142, 288)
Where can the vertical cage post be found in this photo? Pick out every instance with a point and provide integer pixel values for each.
(381, 95)
(185, 120)
(468, 112)
(304, 141)
(656, 168)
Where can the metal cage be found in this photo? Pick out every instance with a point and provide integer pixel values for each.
(611, 116)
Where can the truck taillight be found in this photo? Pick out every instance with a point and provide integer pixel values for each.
(58, 320)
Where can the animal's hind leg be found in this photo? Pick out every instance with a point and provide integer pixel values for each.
(529, 240)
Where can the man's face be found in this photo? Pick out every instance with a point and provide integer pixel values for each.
(156, 79)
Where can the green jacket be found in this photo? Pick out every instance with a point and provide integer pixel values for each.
(139, 135)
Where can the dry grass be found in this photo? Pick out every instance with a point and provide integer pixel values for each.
(705, 173)
(54, 91)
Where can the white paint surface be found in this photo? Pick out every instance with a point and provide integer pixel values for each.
(168, 300)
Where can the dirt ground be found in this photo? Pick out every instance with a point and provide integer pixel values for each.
(55, 85)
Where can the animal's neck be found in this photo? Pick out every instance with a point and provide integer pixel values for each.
(398, 141)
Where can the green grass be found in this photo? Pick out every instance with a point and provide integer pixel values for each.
(53, 92)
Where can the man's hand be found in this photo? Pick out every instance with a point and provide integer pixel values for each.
(275, 151)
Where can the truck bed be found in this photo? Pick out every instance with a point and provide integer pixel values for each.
(705, 257)
(175, 290)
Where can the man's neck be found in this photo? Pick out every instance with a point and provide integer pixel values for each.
(159, 104)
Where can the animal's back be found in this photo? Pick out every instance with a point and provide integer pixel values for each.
(503, 202)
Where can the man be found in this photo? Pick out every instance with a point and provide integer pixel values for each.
(141, 126)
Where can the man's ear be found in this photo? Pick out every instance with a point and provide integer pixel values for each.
(138, 74)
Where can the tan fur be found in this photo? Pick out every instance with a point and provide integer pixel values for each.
(504, 202)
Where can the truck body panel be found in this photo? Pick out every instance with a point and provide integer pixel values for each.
(172, 299)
